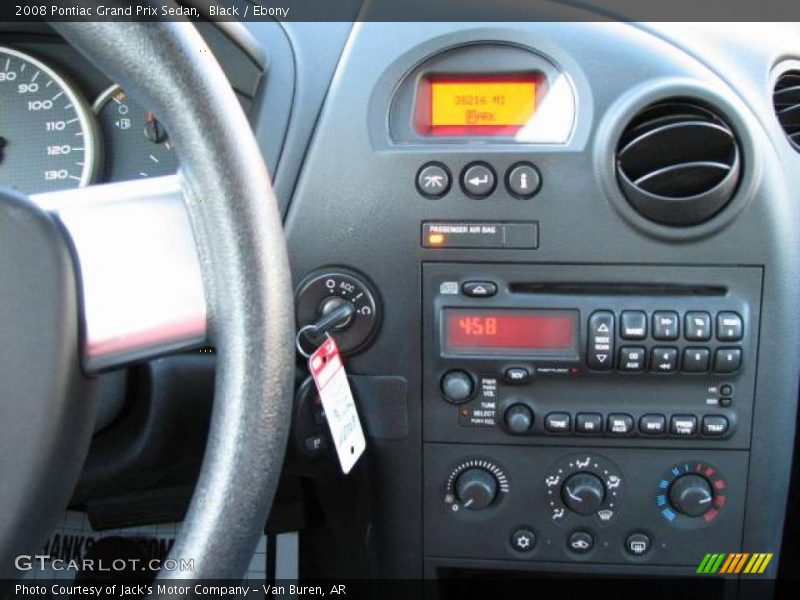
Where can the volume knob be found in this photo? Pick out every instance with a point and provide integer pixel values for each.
(476, 488)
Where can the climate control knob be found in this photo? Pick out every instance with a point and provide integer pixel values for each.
(583, 493)
(691, 495)
(476, 488)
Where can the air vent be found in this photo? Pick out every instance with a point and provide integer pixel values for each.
(786, 99)
(678, 163)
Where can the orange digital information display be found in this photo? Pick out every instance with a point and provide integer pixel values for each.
(475, 106)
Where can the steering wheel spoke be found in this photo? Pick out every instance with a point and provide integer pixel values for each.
(140, 280)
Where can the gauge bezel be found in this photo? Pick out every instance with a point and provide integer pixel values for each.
(91, 156)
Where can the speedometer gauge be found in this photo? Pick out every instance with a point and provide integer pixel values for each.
(47, 132)
(136, 143)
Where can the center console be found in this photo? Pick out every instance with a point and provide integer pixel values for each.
(593, 414)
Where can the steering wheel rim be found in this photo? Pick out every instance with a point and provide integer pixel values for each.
(243, 260)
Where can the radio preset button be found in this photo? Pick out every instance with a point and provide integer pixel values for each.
(478, 180)
(620, 424)
(479, 289)
(653, 424)
(517, 375)
(714, 425)
(589, 423)
(600, 354)
(633, 325)
(631, 358)
(697, 326)
(665, 325)
(695, 360)
(727, 360)
(558, 422)
(664, 360)
(457, 386)
(730, 327)
(683, 425)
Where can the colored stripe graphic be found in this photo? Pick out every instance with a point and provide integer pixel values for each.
(735, 563)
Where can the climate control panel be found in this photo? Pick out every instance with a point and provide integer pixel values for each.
(607, 506)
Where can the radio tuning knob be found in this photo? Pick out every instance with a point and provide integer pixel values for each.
(691, 495)
(519, 418)
(583, 493)
(457, 386)
(476, 488)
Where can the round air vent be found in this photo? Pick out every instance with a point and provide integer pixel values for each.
(678, 163)
(786, 99)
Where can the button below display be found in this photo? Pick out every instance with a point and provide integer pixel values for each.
(433, 180)
(479, 289)
(559, 422)
(478, 180)
(580, 542)
(523, 180)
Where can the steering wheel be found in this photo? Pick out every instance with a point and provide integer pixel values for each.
(104, 275)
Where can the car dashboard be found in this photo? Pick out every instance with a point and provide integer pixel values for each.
(572, 250)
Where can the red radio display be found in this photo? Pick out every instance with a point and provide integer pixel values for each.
(542, 331)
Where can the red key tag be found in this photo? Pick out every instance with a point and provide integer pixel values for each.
(330, 377)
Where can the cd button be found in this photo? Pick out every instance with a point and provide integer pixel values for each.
(631, 359)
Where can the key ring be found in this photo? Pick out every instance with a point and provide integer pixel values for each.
(298, 344)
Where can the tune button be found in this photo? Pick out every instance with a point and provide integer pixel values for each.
(519, 419)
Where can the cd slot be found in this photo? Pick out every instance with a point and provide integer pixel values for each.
(615, 289)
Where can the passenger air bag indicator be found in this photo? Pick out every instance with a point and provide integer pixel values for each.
(454, 234)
